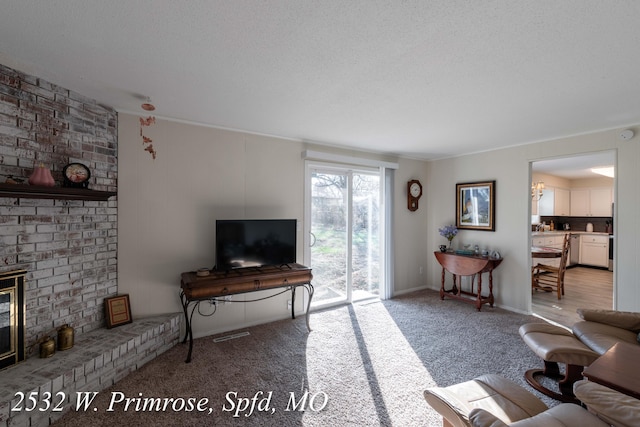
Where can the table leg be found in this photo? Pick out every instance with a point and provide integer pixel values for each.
(293, 301)
(442, 285)
(490, 288)
(190, 331)
(479, 297)
(190, 346)
(187, 322)
(310, 289)
(185, 304)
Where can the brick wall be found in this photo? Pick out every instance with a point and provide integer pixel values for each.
(69, 248)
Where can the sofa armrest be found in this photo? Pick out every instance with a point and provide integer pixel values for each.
(609, 405)
(621, 319)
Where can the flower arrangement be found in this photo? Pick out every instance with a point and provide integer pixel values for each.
(448, 232)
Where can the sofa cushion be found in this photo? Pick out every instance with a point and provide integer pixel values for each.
(562, 415)
(600, 337)
(622, 319)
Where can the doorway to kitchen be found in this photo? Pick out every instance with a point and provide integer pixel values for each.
(570, 195)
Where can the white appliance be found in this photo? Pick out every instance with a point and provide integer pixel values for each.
(589, 227)
(574, 250)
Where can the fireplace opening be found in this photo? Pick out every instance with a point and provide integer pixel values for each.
(12, 318)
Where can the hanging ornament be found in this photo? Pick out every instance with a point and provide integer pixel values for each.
(146, 122)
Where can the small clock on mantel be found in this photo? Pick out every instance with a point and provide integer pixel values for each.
(76, 175)
(414, 192)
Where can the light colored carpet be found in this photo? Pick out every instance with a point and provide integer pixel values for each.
(372, 361)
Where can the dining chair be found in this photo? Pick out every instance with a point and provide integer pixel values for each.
(549, 278)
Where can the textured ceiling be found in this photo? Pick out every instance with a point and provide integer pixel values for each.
(426, 79)
(576, 167)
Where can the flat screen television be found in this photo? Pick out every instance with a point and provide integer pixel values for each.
(242, 243)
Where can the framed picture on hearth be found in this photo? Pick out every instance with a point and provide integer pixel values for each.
(475, 206)
(117, 311)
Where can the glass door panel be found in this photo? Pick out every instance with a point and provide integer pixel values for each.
(345, 228)
(365, 264)
(328, 255)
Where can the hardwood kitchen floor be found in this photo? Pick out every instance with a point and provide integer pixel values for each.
(583, 287)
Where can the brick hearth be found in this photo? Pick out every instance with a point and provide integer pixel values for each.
(97, 360)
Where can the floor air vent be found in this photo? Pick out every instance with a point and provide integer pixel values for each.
(231, 337)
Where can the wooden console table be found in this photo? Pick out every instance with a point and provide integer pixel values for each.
(467, 265)
(219, 284)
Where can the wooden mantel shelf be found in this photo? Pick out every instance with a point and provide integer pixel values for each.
(60, 193)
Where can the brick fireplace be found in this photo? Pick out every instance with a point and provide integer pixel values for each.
(67, 247)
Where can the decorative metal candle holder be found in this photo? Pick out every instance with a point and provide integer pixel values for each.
(47, 348)
(65, 337)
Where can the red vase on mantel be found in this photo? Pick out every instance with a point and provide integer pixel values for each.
(42, 176)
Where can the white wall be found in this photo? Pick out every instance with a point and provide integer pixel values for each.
(552, 181)
(411, 228)
(167, 209)
(512, 222)
(510, 169)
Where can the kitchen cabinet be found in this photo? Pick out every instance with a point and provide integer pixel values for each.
(580, 202)
(591, 201)
(551, 240)
(562, 202)
(548, 241)
(555, 202)
(594, 250)
(600, 201)
(545, 204)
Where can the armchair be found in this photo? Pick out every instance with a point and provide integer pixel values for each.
(589, 339)
(601, 329)
(605, 407)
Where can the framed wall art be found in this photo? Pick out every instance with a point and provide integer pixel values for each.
(117, 311)
(475, 206)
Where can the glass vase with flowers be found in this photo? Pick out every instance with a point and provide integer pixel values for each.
(449, 232)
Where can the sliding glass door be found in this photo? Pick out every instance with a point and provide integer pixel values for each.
(344, 233)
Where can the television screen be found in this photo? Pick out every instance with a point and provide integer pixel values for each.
(255, 242)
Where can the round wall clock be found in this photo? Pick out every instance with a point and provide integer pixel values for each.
(76, 175)
(414, 192)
